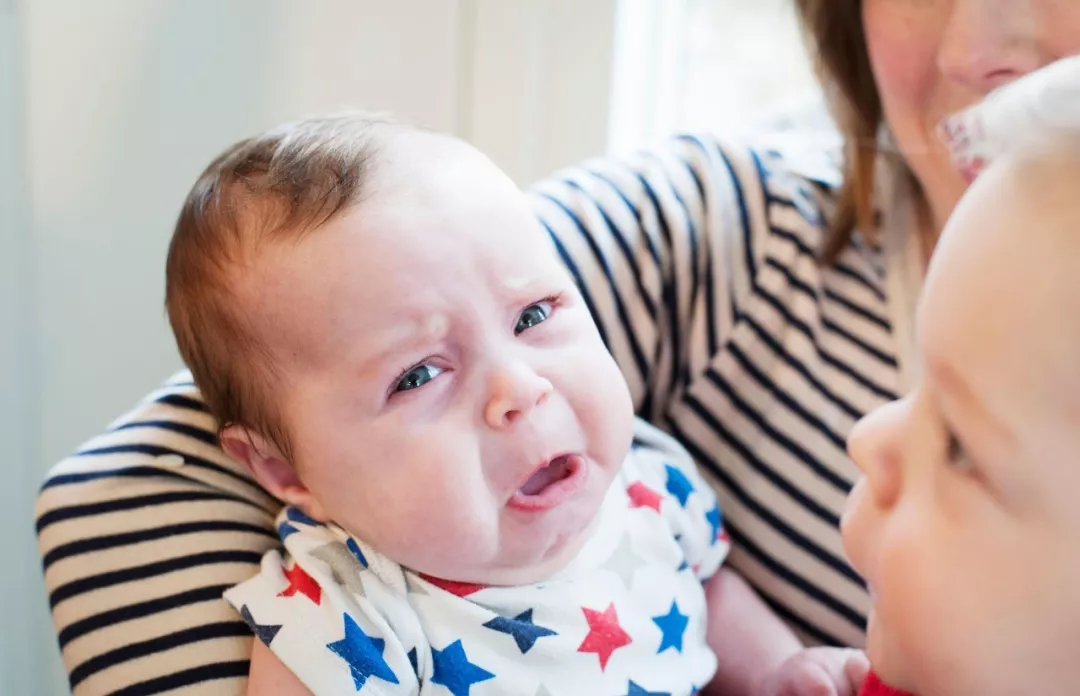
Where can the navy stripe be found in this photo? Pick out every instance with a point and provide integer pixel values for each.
(767, 472)
(646, 239)
(578, 280)
(795, 580)
(159, 451)
(797, 365)
(783, 397)
(847, 271)
(793, 619)
(125, 472)
(627, 252)
(78, 629)
(181, 401)
(822, 354)
(879, 355)
(620, 308)
(670, 293)
(800, 245)
(188, 677)
(812, 293)
(120, 504)
(858, 310)
(101, 543)
(712, 335)
(683, 376)
(744, 214)
(753, 415)
(224, 629)
(792, 279)
(118, 577)
(201, 434)
(779, 526)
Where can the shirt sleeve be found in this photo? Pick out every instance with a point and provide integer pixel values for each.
(140, 531)
(687, 503)
(662, 246)
(330, 616)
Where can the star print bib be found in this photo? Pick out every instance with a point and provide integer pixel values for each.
(626, 616)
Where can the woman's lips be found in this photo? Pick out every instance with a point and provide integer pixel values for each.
(551, 484)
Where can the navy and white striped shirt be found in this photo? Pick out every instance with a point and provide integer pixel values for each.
(700, 265)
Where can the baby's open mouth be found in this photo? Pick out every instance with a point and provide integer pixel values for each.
(551, 484)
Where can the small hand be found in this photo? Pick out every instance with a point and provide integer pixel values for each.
(817, 672)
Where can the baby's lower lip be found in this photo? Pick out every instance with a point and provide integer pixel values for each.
(556, 493)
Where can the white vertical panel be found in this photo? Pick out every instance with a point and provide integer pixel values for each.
(29, 660)
(538, 82)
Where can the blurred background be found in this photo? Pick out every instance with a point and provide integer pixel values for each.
(109, 109)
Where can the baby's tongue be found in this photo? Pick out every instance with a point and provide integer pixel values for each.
(554, 472)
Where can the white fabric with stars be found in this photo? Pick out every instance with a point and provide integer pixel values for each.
(626, 616)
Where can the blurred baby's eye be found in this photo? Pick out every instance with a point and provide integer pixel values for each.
(957, 457)
(417, 377)
(534, 314)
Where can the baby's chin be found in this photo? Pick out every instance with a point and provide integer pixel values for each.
(533, 547)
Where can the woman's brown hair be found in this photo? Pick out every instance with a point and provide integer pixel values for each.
(834, 31)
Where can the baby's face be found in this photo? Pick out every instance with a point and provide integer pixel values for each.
(967, 524)
(447, 393)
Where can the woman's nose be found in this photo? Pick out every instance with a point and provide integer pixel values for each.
(875, 447)
(990, 42)
(514, 391)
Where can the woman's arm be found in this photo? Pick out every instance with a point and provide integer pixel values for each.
(140, 533)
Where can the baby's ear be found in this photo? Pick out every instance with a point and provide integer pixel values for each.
(270, 467)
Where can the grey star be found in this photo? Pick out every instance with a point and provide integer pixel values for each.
(543, 691)
(624, 561)
(343, 566)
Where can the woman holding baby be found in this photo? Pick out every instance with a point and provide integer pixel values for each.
(760, 302)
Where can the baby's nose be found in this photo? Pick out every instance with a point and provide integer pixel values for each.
(873, 447)
(515, 391)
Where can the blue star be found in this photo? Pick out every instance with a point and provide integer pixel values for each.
(636, 690)
(454, 671)
(285, 529)
(264, 632)
(364, 655)
(678, 485)
(715, 520)
(522, 628)
(413, 661)
(355, 548)
(297, 515)
(673, 625)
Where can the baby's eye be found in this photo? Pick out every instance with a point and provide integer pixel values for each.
(417, 377)
(534, 314)
(957, 456)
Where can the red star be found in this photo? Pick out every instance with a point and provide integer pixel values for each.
(643, 496)
(605, 634)
(461, 589)
(301, 582)
(723, 536)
